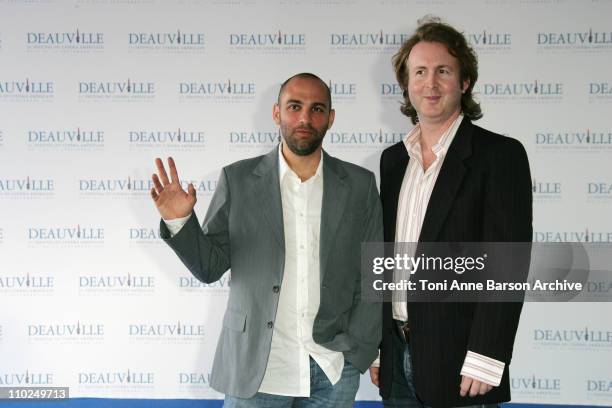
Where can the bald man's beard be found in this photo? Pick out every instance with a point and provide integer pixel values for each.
(298, 144)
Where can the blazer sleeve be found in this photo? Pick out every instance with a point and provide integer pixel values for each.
(365, 323)
(205, 251)
(507, 218)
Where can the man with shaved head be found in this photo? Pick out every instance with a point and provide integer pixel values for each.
(289, 224)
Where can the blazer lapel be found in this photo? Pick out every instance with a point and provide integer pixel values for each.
(396, 177)
(268, 194)
(335, 199)
(448, 182)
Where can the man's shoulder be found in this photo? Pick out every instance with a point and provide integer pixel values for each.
(395, 148)
(249, 165)
(394, 152)
(484, 139)
(351, 169)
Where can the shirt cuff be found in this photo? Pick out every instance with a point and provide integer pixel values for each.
(376, 363)
(175, 225)
(483, 368)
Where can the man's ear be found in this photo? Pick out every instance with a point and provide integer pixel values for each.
(332, 116)
(466, 85)
(276, 114)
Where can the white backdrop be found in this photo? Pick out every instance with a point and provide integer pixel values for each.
(92, 90)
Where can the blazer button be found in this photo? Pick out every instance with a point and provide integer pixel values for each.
(270, 325)
(276, 289)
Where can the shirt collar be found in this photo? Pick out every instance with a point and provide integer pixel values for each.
(413, 139)
(284, 169)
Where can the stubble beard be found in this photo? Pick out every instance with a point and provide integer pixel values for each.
(304, 147)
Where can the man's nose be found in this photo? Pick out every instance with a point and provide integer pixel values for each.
(431, 80)
(305, 116)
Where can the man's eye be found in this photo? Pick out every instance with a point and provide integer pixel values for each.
(317, 109)
(294, 107)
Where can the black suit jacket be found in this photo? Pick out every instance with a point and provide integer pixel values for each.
(482, 194)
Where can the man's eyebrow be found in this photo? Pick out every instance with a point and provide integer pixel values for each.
(320, 104)
(314, 104)
(437, 66)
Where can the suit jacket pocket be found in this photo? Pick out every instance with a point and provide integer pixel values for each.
(340, 342)
(235, 320)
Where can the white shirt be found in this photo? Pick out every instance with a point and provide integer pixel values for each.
(288, 369)
(415, 193)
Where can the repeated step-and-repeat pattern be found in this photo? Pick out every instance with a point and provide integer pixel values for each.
(91, 91)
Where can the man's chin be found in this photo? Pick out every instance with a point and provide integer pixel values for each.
(305, 152)
(304, 149)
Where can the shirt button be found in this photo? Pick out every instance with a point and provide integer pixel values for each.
(270, 325)
(276, 289)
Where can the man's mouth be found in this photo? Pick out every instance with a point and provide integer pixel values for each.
(304, 131)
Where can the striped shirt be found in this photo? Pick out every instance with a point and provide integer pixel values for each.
(415, 193)
(414, 197)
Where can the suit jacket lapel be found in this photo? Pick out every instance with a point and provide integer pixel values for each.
(396, 177)
(268, 194)
(335, 201)
(448, 182)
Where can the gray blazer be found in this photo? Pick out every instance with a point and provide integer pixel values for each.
(243, 230)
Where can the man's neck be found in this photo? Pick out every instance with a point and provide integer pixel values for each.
(431, 132)
(304, 166)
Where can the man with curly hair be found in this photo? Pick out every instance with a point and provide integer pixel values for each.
(448, 181)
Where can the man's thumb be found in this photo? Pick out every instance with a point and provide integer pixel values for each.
(191, 190)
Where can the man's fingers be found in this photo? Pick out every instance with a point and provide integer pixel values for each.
(374, 371)
(475, 388)
(484, 388)
(466, 383)
(191, 190)
(154, 194)
(162, 171)
(173, 173)
(157, 184)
